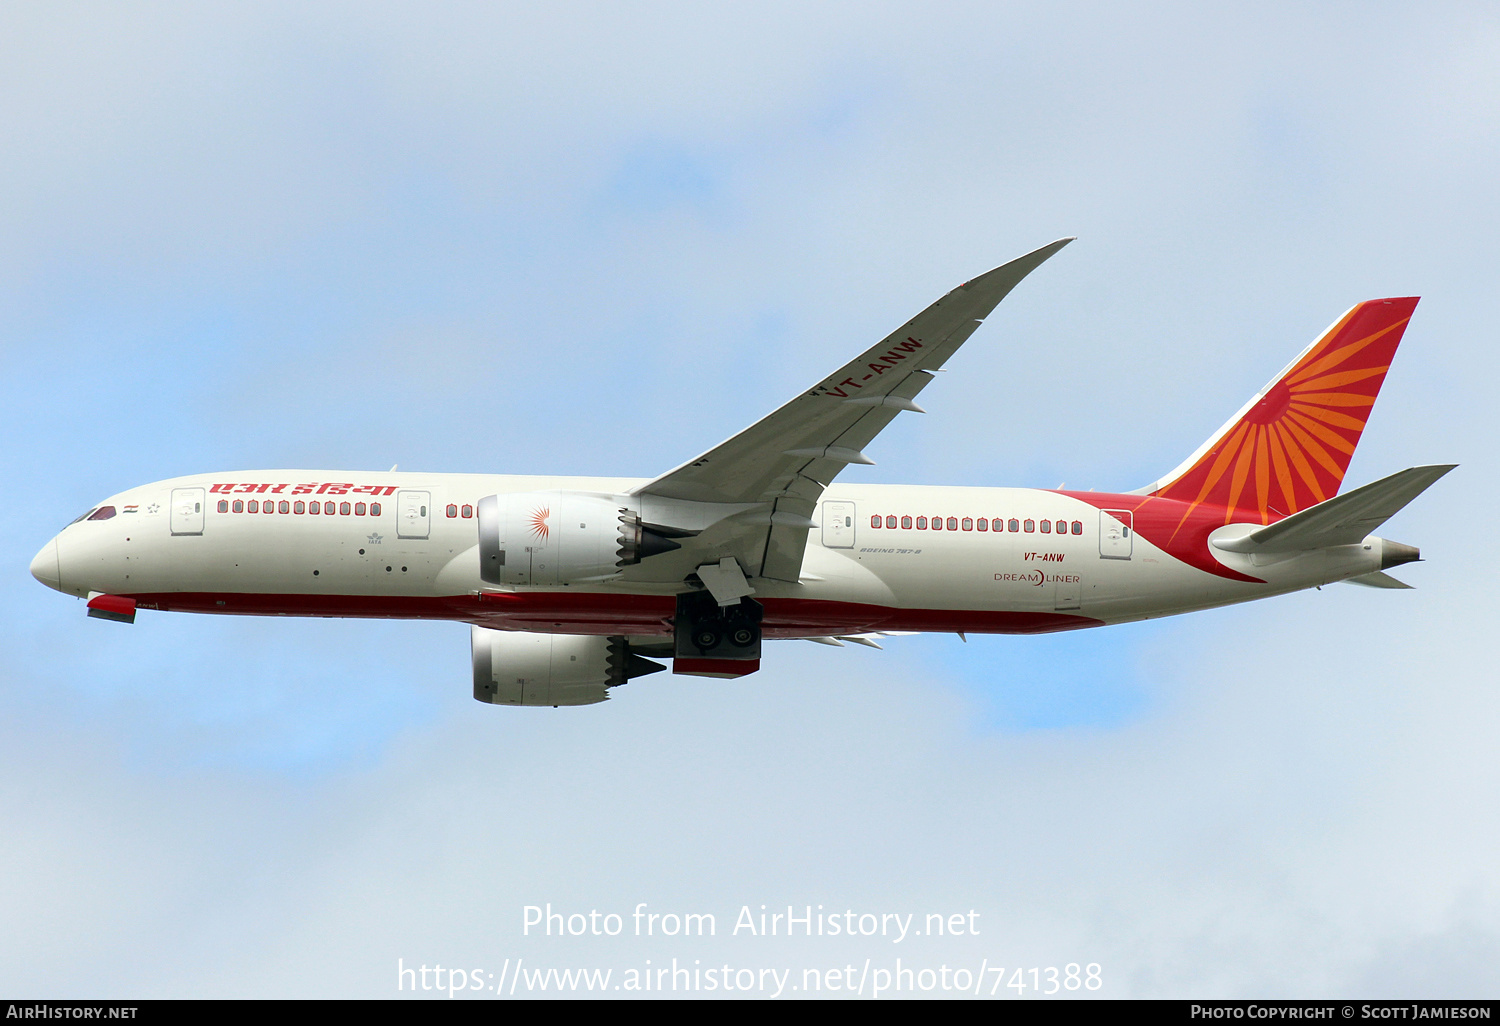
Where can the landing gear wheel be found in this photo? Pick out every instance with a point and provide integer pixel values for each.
(705, 632)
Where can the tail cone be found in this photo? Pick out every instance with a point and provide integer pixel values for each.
(1395, 554)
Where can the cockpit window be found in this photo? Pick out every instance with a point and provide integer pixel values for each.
(102, 513)
(82, 517)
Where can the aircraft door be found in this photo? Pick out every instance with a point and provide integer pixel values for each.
(413, 514)
(838, 525)
(187, 510)
(1115, 535)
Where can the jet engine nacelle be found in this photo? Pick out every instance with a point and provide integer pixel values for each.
(545, 539)
(548, 539)
(516, 668)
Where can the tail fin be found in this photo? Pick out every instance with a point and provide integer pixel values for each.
(1288, 448)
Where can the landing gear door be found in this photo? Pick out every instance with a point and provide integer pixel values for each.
(413, 514)
(187, 510)
(1116, 537)
(838, 525)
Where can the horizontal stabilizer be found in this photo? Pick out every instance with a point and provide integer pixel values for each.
(1378, 580)
(1342, 520)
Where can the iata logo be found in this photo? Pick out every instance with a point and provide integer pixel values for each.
(539, 522)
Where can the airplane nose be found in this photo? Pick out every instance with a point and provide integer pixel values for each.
(45, 566)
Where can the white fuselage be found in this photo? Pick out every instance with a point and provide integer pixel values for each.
(1116, 558)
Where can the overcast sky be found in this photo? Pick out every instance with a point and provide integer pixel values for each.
(597, 239)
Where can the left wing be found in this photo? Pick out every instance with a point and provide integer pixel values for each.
(778, 467)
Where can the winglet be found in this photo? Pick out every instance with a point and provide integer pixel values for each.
(994, 285)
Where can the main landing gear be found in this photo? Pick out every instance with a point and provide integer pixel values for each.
(716, 641)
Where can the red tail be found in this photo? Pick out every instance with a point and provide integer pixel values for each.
(1289, 447)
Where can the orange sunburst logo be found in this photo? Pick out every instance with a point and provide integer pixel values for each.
(1291, 449)
(538, 521)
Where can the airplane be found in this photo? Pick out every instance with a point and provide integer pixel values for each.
(573, 586)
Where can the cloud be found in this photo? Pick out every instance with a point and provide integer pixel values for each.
(484, 239)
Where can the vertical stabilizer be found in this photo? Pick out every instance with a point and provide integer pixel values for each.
(1289, 447)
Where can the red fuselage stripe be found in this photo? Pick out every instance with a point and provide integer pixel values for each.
(594, 613)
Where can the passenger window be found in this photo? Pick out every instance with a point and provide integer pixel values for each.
(328, 508)
(299, 507)
(1030, 526)
(374, 509)
(452, 510)
(921, 523)
(890, 522)
(466, 512)
(937, 523)
(874, 521)
(345, 509)
(1078, 527)
(983, 525)
(1062, 527)
(968, 524)
(283, 506)
(1046, 527)
(906, 523)
(359, 509)
(223, 505)
(1015, 525)
(999, 524)
(314, 508)
(252, 506)
(953, 523)
(239, 505)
